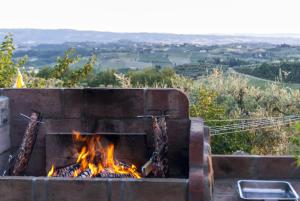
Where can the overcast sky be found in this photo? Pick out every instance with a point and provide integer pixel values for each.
(171, 16)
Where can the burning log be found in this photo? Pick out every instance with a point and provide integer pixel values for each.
(95, 161)
(28, 142)
(108, 174)
(68, 171)
(113, 175)
(86, 173)
(74, 170)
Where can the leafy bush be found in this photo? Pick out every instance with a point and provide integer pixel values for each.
(152, 77)
(103, 78)
(295, 143)
(243, 101)
(205, 106)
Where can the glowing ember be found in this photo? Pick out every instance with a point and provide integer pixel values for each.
(95, 161)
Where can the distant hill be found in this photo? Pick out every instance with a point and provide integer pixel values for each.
(39, 36)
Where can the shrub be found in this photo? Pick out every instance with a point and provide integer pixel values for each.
(152, 77)
(103, 78)
(243, 101)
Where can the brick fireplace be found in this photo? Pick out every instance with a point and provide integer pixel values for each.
(112, 113)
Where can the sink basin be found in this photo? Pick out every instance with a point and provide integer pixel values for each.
(266, 190)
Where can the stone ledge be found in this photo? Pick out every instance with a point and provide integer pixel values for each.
(255, 167)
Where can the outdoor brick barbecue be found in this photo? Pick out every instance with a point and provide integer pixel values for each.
(113, 114)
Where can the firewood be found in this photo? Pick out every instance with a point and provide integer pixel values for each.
(25, 150)
(147, 168)
(159, 159)
(158, 163)
(8, 165)
(68, 171)
(86, 173)
(107, 174)
(103, 174)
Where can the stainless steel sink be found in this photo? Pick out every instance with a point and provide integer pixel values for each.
(266, 190)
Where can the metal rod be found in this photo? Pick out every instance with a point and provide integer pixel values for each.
(27, 117)
(152, 116)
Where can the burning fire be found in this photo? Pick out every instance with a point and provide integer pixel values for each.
(51, 171)
(94, 160)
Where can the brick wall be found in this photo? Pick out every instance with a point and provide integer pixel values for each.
(96, 110)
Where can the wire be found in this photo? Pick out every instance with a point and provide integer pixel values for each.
(250, 129)
(222, 120)
(219, 130)
(244, 125)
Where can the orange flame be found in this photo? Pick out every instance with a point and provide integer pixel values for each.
(76, 173)
(51, 171)
(93, 156)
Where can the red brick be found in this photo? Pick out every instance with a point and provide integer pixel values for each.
(46, 101)
(59, 189)
(178, 163)
(173, 101)
(57, 126)
(178, 133)
(36, 165)
(15, 189)
(255, 167)
(113, 103)
(133, 125)
(272, 167)
(196, 143)
(156, 189)
(233, 166)
(73, 103)
(196, 184)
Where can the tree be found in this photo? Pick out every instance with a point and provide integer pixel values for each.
(8, 68)
(80, 74)
(63, 64)
(63, 72)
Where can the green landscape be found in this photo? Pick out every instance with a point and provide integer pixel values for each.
(136, 100)
(248, 93)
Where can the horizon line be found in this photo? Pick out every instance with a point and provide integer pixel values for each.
(168, 33)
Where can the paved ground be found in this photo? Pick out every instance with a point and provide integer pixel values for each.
(226, 189)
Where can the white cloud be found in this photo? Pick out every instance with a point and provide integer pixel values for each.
(177, 16)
